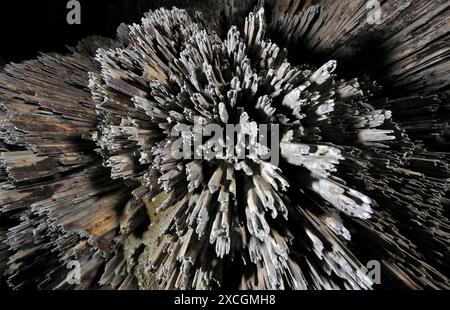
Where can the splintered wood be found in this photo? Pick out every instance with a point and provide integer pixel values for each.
(88, 171)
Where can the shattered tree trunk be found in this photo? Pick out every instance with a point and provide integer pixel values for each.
(87, 171)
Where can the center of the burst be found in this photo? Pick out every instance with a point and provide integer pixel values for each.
(230, 142)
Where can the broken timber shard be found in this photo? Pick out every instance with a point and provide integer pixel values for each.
(88, 173)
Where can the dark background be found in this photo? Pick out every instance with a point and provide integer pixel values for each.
(29, 27)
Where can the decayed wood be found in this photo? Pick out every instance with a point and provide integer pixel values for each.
(87, 169)
(412, 37)
(52, 182)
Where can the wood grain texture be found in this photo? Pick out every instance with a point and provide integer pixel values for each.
(87, 171)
